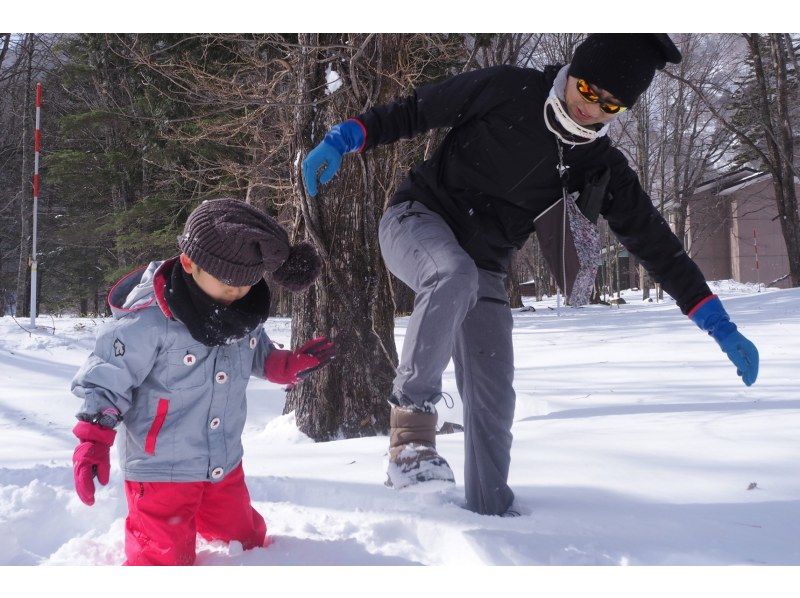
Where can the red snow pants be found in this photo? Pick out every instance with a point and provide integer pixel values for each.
(164, 518)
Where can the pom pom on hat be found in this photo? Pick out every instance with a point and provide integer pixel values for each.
(300, 269)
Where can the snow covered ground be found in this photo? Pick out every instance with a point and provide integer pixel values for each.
(634, 443)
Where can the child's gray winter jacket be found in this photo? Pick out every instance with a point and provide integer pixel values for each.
(183, 403)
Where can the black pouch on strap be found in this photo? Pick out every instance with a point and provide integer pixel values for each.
(594, 191)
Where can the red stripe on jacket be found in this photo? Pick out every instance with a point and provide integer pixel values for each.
(158, 421)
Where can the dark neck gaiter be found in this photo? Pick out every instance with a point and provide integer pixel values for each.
(210, 322)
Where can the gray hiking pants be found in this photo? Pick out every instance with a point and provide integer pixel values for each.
(460, 311)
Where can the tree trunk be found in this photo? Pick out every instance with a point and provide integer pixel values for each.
(644, 282)
(513, 281)
(119, 206)
(281, 303)
(787, 199)
(779, 142)
(403, 297)
(351, 300)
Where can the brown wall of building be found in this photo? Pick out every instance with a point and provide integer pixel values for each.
(720, 231)
(708, 224)
(753, 209)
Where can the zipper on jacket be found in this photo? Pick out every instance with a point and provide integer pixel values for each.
(155, 428)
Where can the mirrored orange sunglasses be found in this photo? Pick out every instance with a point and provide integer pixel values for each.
(590, 96)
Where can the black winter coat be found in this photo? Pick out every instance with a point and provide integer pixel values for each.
(497, 170)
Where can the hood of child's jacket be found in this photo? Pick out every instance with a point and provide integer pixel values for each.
(137, 290)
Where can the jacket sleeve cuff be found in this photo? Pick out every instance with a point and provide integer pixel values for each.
(364, 132)
(700, 304)
(95, 402)
(355, 136)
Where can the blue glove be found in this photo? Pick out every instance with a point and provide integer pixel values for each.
(345, 137)
(713, 318)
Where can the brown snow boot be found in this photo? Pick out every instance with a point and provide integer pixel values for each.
(413, 460)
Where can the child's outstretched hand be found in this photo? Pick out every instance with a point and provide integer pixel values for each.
(290, 367)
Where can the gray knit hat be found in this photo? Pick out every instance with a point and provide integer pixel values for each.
(239, 244)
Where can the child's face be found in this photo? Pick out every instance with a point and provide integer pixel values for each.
(213, 287)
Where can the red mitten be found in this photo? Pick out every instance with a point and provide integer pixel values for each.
(289, 367)
(91, 458)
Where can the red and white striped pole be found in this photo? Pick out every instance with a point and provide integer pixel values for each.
(37, 145)
(758, 272)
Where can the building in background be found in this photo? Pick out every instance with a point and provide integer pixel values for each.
(733, 232)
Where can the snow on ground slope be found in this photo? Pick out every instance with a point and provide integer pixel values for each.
(634, 443)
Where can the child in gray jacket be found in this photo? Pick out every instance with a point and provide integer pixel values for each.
(171, 370)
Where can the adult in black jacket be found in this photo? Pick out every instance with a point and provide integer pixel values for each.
(521, 141)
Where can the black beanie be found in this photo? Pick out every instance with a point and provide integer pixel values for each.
(623, 64)
(238, 244)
